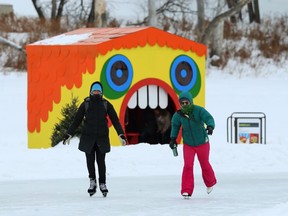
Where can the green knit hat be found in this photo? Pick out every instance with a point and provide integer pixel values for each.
(186, 96)
(186, 109)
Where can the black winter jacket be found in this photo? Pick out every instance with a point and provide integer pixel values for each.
(95, 129)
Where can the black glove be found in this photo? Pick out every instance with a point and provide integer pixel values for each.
(173, 143)
(66, 139)
(209, 130)
(123, 139)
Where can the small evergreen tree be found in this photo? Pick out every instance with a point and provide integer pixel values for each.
(68, 112)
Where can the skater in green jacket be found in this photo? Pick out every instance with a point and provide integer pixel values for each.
(197, 123)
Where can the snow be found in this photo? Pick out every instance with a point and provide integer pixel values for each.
(145, 179)
(63, 39)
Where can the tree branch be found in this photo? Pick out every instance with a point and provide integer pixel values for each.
(12, 44)
(39, 10)
(235, 9)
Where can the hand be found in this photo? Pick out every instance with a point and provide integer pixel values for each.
(209, 130)
(123, 139)
(173, 143)
(67, 139)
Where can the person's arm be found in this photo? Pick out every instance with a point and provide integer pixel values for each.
(114, 118)
(116, 123)
(207, 118)
(77, 119)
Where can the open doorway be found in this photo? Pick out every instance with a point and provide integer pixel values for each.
(145, 126)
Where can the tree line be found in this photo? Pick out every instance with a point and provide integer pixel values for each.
(209, 32)
(176, 16)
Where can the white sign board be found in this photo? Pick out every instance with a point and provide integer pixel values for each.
(248, 131)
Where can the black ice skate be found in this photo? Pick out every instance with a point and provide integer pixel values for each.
(93, 187)
(103, 189)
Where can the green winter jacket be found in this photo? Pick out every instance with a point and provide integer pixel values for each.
(193, 125)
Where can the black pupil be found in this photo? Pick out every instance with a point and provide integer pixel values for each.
(119, 73)
(184, 73)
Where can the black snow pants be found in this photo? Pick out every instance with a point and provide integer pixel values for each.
(100, 159)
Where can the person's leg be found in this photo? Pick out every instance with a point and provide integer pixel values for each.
(188, 174)
(207, 170)
(90, 161)
(100, 158)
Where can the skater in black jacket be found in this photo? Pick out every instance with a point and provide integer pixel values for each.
(94, 140)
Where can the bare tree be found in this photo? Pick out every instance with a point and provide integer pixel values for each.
(217, 33)
(56, 19)
(98, 15)
(201, 18)
(56, 12)
(39, 10)
(168, 14)
(232, 3)
(54, 7)
(213, 24)
(152, 21)
(89, 12)
(253, 10)
(91, 17)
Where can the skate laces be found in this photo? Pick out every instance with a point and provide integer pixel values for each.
(92, 183)
(102, 186)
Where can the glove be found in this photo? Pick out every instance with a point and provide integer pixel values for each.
(173, 143)
(209, 130)
(67, 139)
(123, 139)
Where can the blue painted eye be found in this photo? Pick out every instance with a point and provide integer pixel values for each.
(119, 73)
(183, 73)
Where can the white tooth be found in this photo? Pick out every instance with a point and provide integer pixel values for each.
(142, 97)
(156, 94)
(133, 101)
(163, 98)
(153, 96)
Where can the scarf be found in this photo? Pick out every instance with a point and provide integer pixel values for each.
(186, 109)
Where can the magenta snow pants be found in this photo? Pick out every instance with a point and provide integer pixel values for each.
(208, 175)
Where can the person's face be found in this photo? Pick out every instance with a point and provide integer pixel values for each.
(184, 102)
(96, 92)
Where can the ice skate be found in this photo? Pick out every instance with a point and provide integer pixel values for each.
(93, 187)
(186, 195)
(209, 189)
(103, 189)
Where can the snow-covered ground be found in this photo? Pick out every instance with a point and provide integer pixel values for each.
(145, 179)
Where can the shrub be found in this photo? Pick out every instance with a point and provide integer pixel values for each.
(68, 113)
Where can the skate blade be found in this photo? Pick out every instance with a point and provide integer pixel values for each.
(186, 195)
(92, 193)
(104, 194)
(209, 189)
